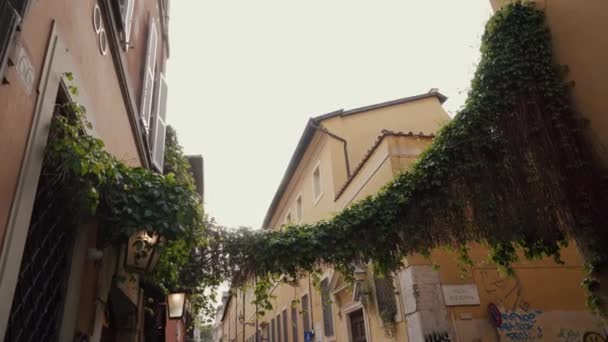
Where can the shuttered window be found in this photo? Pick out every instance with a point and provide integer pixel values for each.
(294, 324)
(149, 75)
(305, 313)
(285, 329)
(328, 318)
(160, 126)
(124, 10)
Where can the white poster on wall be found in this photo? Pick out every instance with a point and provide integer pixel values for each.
(460, 295)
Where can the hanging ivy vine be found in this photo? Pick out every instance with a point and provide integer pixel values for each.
(509, 171)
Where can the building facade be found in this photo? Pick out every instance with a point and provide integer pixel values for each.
(345, 156)
(109, 56)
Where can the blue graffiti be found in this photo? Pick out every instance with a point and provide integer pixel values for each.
(521, 326)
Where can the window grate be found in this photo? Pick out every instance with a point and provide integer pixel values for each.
(40, 292)
(385, 296)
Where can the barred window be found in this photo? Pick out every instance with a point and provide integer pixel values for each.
(385, 296)
(328, 318)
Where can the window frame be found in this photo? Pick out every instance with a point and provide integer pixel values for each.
(299, 208)
(317, 196)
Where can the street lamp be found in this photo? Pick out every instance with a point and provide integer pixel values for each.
(141, 253)
(176, 303)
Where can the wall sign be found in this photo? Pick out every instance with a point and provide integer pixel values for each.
(100, 30)
(457, 295)
(25, 69)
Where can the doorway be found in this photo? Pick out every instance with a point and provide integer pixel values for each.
(40, 293)
(357, 326)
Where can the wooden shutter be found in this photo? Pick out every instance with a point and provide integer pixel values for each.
(128, 21)
(148, 81)
(160, 126)
(328, 318)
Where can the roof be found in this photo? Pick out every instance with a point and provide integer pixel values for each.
(368, 154)
(310, 130)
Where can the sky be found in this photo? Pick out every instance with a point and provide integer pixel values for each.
(245, 76)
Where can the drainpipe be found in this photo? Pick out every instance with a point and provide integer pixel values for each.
(314, 124)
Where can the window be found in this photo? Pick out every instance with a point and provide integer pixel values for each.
(294, 323)
(160, 126)
(285, 331)
(328, 318)
(288, 219)
(299, 208)
(279, 328)
(149, 76)
(9, 19)
(272, 331)
(317, 189)
(124, 9)
(305, 313)
(385, 295)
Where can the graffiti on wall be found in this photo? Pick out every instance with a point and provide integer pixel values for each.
(437, 337)
(521, 326)
(569, 335)
(591, 336)
(504, 291)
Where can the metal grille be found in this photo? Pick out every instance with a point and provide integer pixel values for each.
(385, 296)
(39, 296)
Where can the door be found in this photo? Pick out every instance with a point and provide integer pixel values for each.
(357, 327)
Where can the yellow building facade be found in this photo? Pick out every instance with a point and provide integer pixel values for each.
(345, 156)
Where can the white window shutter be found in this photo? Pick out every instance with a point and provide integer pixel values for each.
(160, 125)
(128, 22)
(148, 81)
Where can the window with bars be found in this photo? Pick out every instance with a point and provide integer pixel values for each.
(305, 313)
(328, 318)
(385, 297)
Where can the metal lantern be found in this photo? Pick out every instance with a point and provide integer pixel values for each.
(141, 253)
(176, 305)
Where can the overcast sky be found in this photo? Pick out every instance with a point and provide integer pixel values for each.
(245, 76)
